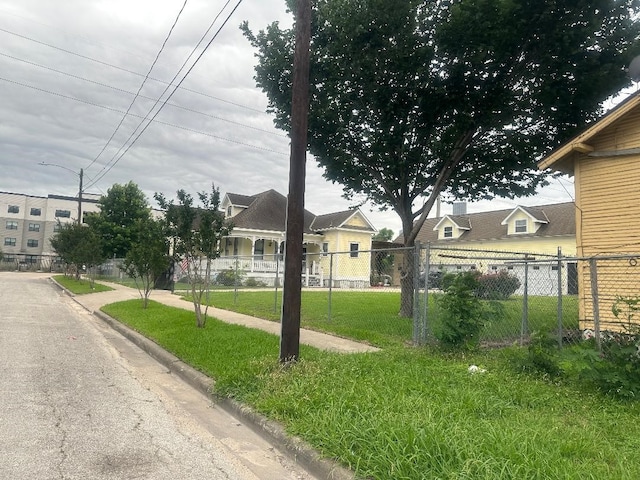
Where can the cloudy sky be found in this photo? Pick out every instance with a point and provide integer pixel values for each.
(69, 70)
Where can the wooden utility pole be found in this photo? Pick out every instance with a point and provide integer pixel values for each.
(291, 298)
(80, 198)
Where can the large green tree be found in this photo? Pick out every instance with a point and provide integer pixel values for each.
(120, 209)
(411, 99)
(79, 246)
(148, 257)
(196, 231)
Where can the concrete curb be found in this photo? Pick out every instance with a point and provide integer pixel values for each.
(301, 452)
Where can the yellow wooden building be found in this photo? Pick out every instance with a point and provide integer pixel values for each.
(485, 239)
(336, 245)
(605, 162)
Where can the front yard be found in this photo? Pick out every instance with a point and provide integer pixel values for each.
(407, 413)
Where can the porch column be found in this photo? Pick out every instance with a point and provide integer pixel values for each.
(253, 251)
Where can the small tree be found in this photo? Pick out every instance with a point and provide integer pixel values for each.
(120, 209)
(78, 245)
(147, 258)
(196, 233)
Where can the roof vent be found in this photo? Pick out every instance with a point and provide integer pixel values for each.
(459, 208)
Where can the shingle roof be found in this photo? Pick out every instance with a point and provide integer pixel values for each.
(265, 211)
(487, 225)
(240, 200)
(268, 211)
(331, 220)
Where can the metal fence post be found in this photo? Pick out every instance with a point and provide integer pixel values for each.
(330, 286)
(560, 297)
(593, 274)
(525, 302)
(235, 282)
(425, 312)
(276, 284)
(416, 294)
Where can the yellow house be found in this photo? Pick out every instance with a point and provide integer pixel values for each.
(539, 230)
(336, 245)
(605, 161)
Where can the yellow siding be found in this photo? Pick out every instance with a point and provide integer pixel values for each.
(607, 220)
(608, 205)
(356, 221)
(345, 266)
(532, 226)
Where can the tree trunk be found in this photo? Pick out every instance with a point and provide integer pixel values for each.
(406, 284)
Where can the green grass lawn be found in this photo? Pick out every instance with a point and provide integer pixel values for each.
(406, 413)
(373, 316)
(80, 287)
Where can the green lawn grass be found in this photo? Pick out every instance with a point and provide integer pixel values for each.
(406, 413)
(80, 287)
(372, 317)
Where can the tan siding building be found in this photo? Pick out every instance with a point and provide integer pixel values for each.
(605, 161)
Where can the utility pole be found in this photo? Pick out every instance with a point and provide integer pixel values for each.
(291, 297)
(80, 198)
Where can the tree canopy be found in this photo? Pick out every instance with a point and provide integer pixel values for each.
(78, 245)
(410, 99)
(196, 232)
(120, 209)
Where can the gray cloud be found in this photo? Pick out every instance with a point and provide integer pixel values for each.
(60, 118)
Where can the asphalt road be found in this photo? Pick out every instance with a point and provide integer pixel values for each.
(78, 401)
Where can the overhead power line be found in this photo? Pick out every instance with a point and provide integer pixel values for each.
(122, 69)
(128, 92)
(160, 122)
(153, 64)
(116, 160)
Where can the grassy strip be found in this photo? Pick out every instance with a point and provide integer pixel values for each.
(80, 287)
(406, 413)
(373, 316)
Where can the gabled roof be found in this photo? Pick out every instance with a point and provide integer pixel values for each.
(536, 214)
(265, 211)
(460, 221)
(559, 217)
(560, 159)
(340, 220)
(238, 200)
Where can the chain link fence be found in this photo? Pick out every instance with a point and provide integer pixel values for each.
(402, 293)
(513, 295)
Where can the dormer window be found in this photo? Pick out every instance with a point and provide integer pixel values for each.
(448, 232)
(229, 211)
(521, 226)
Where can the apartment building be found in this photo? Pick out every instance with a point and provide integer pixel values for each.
(28, 222)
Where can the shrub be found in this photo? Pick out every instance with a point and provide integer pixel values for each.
(497, 286)
(252, 282)
(542, 355)
(230, 277)
(616, 370)
(463, 317)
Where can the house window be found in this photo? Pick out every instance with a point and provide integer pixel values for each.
(34, 227)
(9, 259)
(57, 227)
(11, 225)
(521, 226)
(353, 249)
(536, 267)
(229, 211)
(325, 249)
(554, 268)
(13, 209)
(258, 249)
(63, 213)
(35, 212)
(32, 259)
(32, 243)
(9, 241)
(448, 232)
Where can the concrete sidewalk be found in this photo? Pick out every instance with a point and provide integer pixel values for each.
(323, 341)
